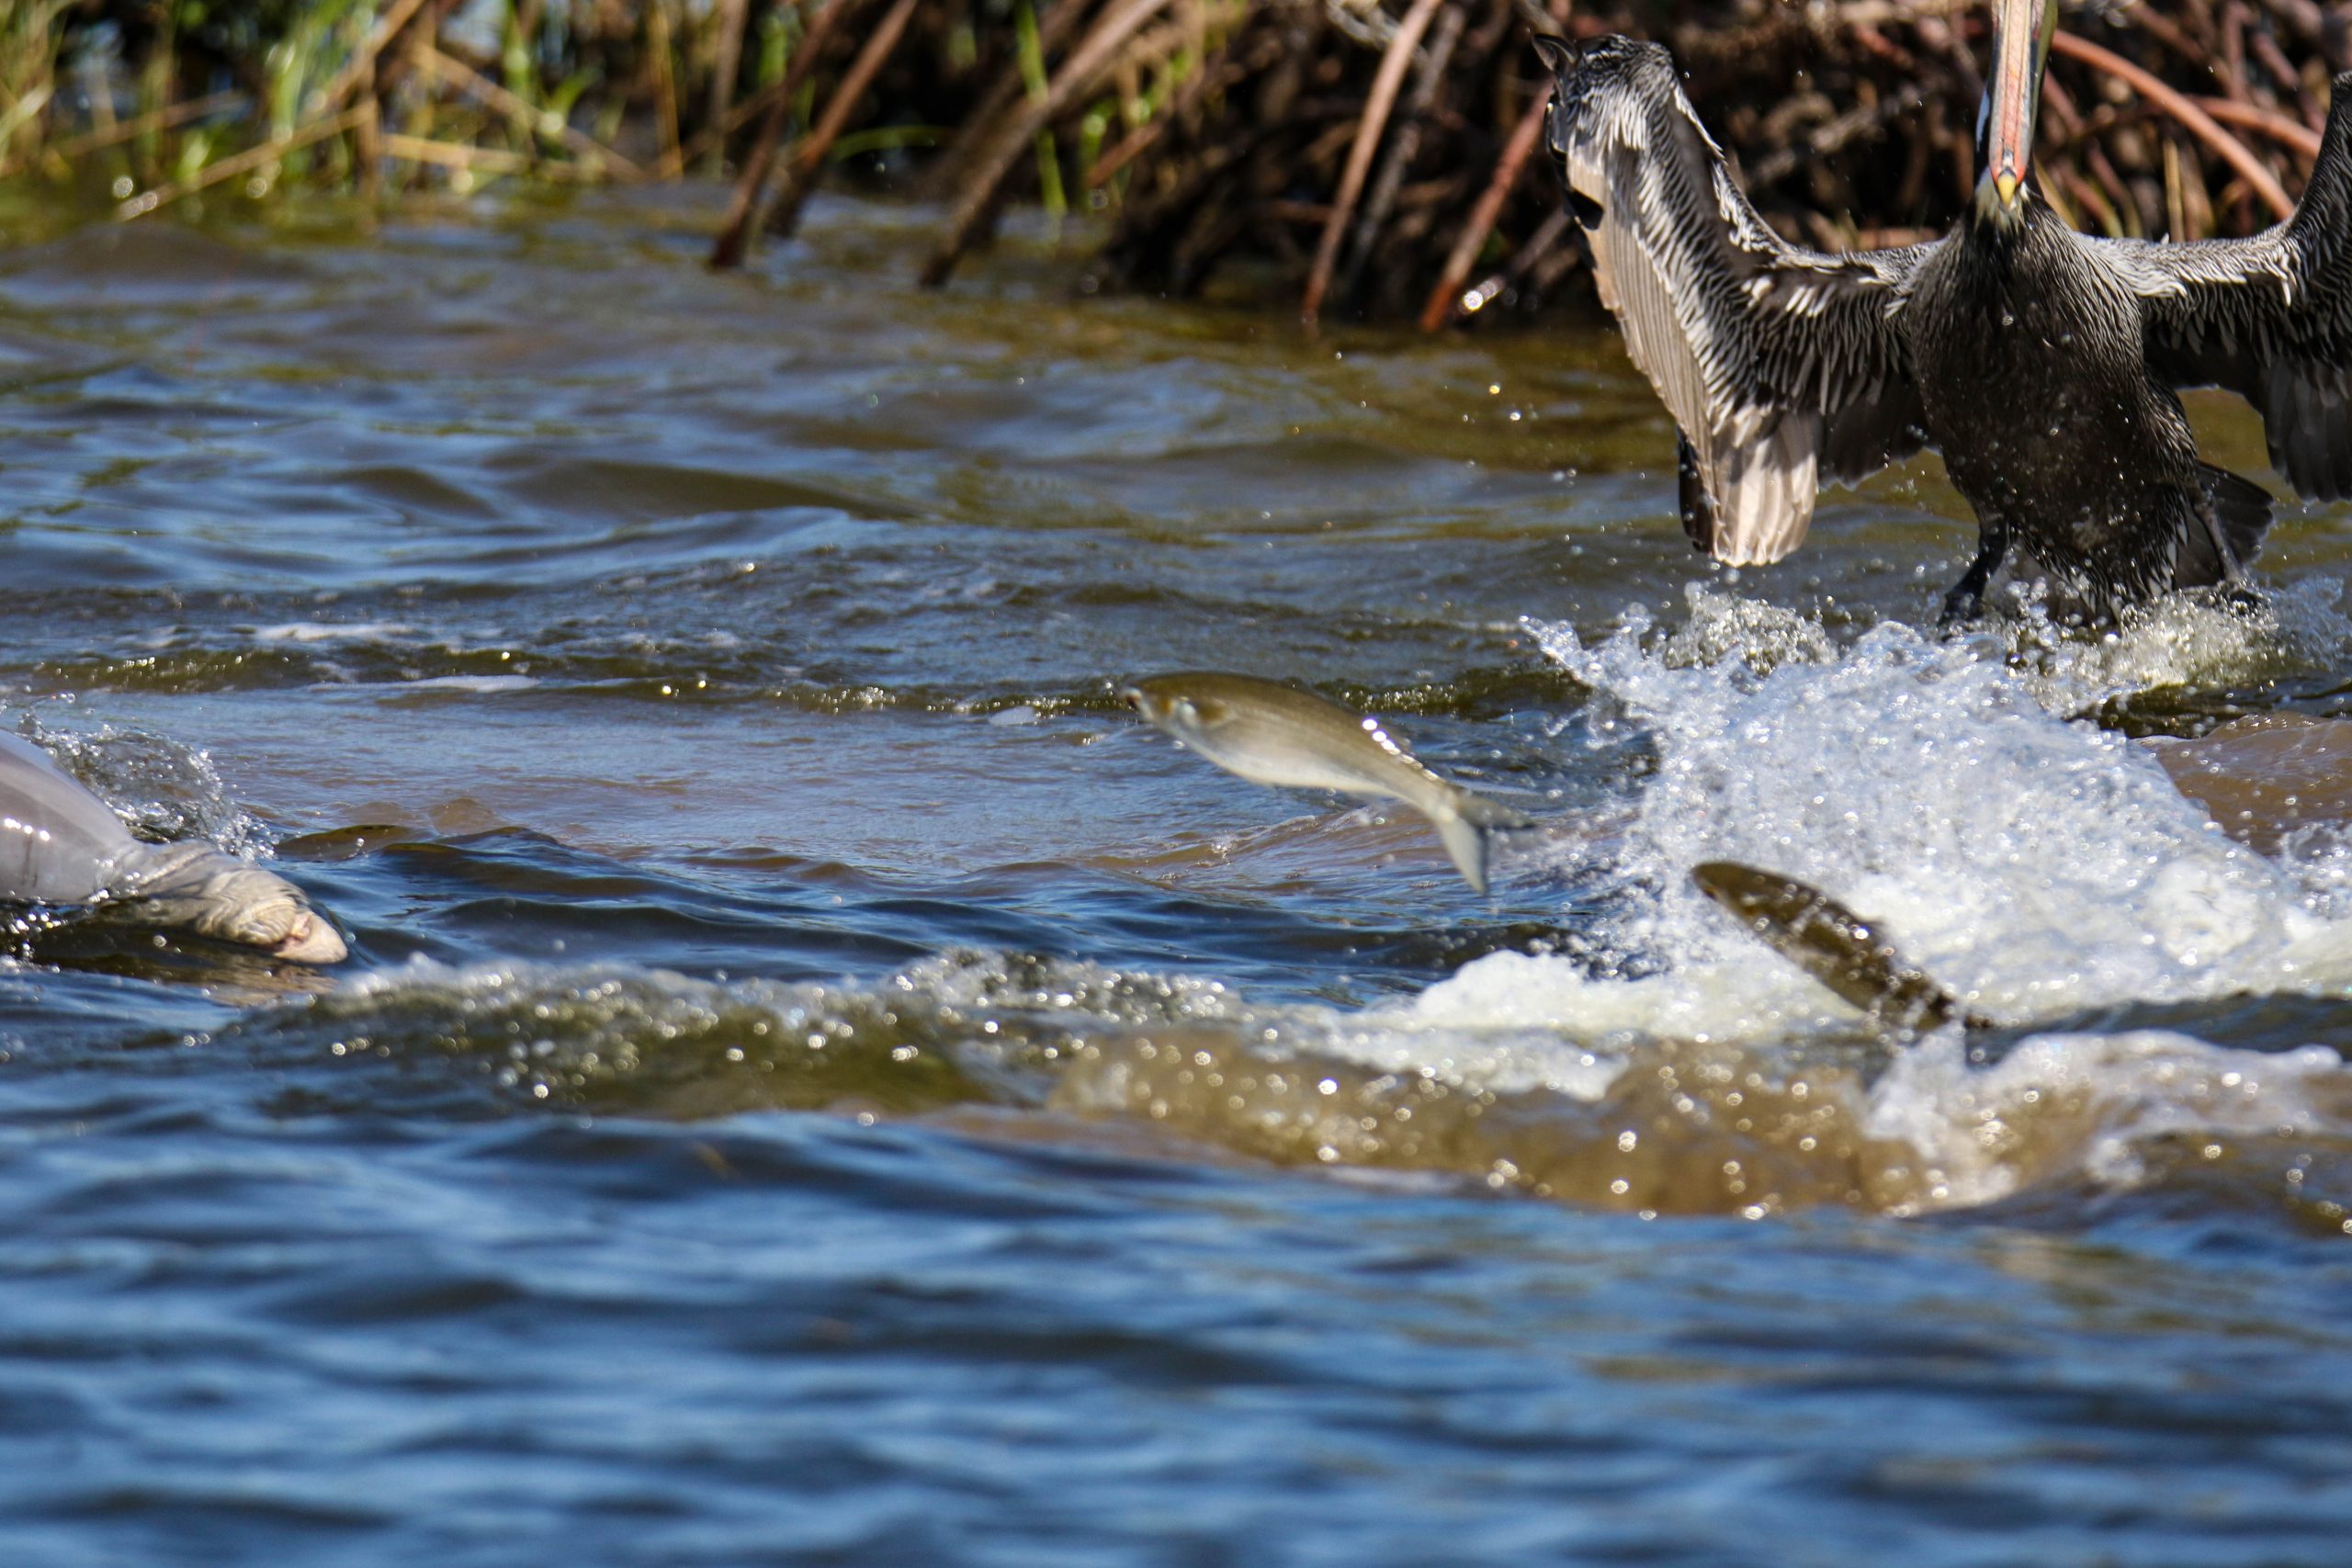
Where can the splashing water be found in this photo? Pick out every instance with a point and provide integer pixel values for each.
(2181, 640)
(2043, 867)
(163, 791)
(2038, 864)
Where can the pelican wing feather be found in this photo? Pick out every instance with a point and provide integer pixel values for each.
(1783, 366)
(2267, 317)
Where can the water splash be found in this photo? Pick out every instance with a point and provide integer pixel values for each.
(161, 789)
(2183, 640)
(2041, 866)
(1665, 1126)
(2038, 865)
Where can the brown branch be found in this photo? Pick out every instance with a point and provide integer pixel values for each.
(2274, 59)
(465, 79)
(1523, 138)
(1214, 77)
(1003, 94)
(809, 156)
(131, 130)
(734, 15)
(2193, 119)
(672, 162)
(1403, 150)
(735, 231)
(715, 134)
(1091, 58)
(228, 168)
(362, 63)
(2233, 52)
(2165, 31)
(1129, 147)
(2294, 133)
(1394, 61)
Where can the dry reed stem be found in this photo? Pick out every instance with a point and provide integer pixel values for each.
(1214, 76)
(362, 60)
(1092, 57)
(465, 155)
(2270, 123)
(1134, 145)
(712, 138)
(728, 60)
(367, 141)
(25, 111)
(1523, 138)
(228, 168)
(742, 207)
(809, 158)
(123, 131)
(672, 162)
(1394, 61)
(2194, 119)
(466, 80)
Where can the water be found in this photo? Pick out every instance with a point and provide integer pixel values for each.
(818, 1082)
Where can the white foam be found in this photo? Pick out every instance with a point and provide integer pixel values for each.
(469, 683)
(2037, 864)
(2179, 640)
(321, 631)
(2062, 1105)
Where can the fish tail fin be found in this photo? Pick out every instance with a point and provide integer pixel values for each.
(2218, 551)
(1466, 824)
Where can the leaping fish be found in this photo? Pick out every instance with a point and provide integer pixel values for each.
(1833, 944)
(1272, 734)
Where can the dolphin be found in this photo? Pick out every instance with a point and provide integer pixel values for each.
(60, 844)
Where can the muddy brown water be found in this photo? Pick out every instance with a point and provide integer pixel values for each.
(818, 1082)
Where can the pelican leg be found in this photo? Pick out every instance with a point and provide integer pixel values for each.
(1697, 506)
(1967, 597)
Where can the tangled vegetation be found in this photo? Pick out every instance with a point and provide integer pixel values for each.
(1371, 157)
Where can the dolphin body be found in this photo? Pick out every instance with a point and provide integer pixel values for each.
(62, 845)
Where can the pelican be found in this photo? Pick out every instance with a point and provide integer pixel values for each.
(2045, 364)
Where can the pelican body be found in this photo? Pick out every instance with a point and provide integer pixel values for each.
(2045, 364)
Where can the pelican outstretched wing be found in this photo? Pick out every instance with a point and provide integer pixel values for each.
(1783, 366)
(2269, 317)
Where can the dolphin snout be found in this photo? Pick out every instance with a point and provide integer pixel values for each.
(313, 940)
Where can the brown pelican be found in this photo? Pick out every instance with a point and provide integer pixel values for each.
(2042, 363)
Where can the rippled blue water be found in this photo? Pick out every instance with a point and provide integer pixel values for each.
(817, 1083)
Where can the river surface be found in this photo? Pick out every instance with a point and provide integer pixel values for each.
(817, 1081)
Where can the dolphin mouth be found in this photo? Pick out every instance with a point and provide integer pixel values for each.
(313, 940)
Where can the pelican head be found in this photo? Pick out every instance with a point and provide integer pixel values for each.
(2021, 30)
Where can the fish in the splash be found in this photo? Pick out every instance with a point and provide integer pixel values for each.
(1273, 734)
(62, 845)
(1833, 944)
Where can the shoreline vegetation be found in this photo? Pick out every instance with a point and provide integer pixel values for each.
(1343, 159)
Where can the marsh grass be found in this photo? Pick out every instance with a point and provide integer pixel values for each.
(1370, 157)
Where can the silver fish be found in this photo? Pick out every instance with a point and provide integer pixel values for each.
(1834, 945)
(61, 844)
(1271, 734)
